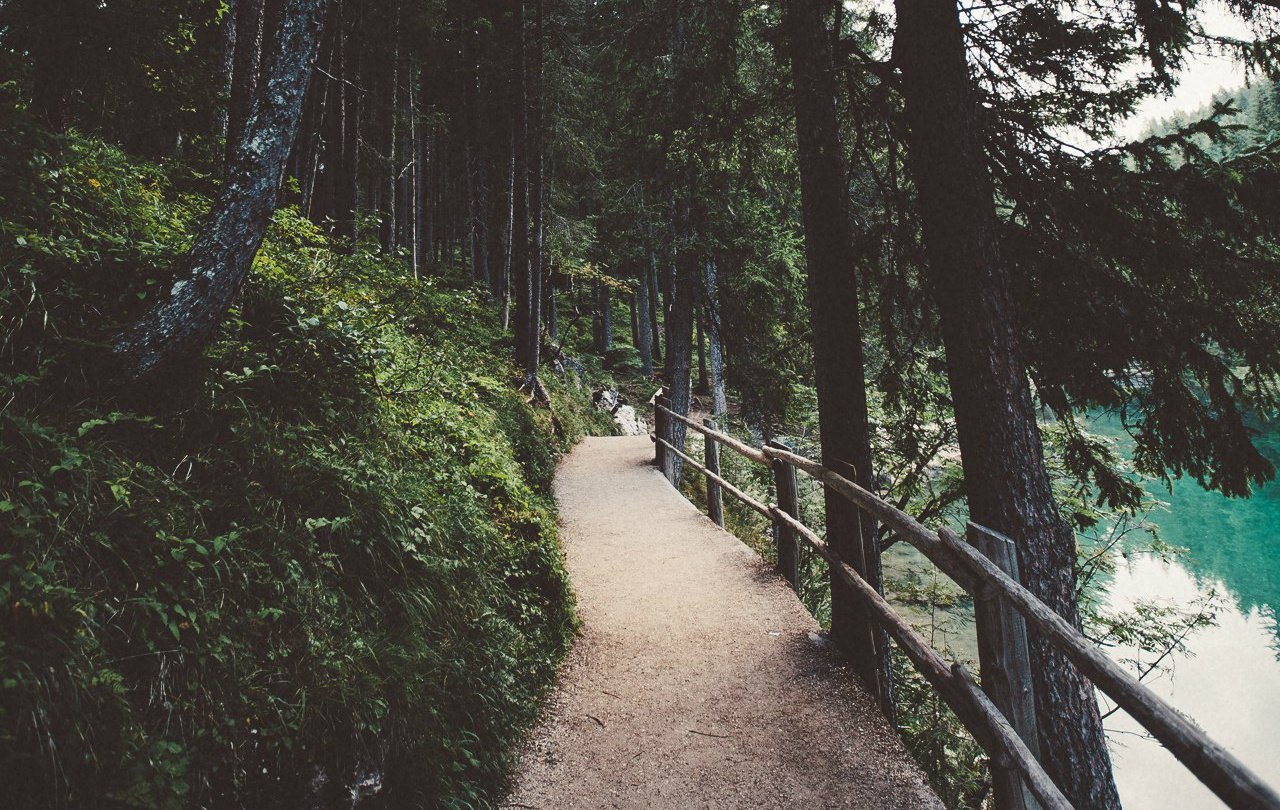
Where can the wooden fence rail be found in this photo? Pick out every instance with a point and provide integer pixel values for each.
(1000, 713)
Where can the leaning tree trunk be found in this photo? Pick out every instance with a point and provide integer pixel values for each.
(837, 338)
(1005, 479)
(233, 231)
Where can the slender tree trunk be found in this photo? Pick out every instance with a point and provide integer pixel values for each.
(520, 187)
(837, 337)
(655, 304)
(233, 230)
(520, 191)
(347, 197)
(1005, 479)
(635, 322)
(228, 24)
(247, 60)
(700, 337)
(668, 300)
(604, 312)
(392, 169)
(431, 168)
(421, 238)
(508, 229)
(536, 192)
(413, 197)
(715, 348)
(552, 313)
(476, 207)
(680, 348)
(644, 337)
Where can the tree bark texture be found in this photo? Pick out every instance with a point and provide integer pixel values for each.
(715, 346)
(644, 337)
(246, 68)
(655, 304)
(537, 134)
(520, 275)
(233, 231)
(837, 333)
(700, 337)
(1005, 479)
(680, 350)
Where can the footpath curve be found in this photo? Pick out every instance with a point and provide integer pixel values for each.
(699, 680)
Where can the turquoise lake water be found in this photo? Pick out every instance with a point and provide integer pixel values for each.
(1230, 682)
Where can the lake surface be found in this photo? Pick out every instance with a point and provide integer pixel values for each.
(1230, 682)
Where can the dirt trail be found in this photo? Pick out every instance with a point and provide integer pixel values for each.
(698, 681)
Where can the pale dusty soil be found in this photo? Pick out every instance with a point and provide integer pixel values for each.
(697, 681)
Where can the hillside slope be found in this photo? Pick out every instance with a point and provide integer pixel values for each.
(323, 552)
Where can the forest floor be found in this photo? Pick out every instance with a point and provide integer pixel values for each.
(699, 680)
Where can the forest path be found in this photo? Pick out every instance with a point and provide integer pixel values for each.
(697, 681)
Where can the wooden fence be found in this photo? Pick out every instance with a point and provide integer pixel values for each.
(1000, 713)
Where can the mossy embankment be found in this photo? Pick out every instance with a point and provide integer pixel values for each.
(323, 549)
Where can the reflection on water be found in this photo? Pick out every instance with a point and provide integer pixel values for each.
(1230, 686)
(1230, 682)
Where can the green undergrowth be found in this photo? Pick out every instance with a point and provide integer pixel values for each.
(323, 549)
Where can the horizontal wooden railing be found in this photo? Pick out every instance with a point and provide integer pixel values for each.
(999, 713)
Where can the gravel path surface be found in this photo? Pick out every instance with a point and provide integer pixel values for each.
(699, 680)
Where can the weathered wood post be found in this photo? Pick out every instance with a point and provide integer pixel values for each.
(715, 502)
(660, 432)
(784, 481)
(668, 463)
(1005, 661)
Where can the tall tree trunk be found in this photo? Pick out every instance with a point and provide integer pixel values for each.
(655, 304)
(668, 300)
(228, 24)
(347, 196)
(431, 168)
(413, 196)
(477, 238)
(837, 338)
(604, 319)
(1005, 479)
(680, 348)
(536, 192)
(552, 313)
(508, 230)
(421, 238)
(700, 338)
(392, 169)
(233, 230)
(632, 307)
(520, 188)
(247, 64)
(715, 347)
(644, 337)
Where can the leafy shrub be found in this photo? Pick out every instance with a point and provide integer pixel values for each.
(324, 549)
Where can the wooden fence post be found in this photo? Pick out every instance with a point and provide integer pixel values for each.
(660, 431)
(668, 465)
(715, 502)
(784, 480)
(1005, 661)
